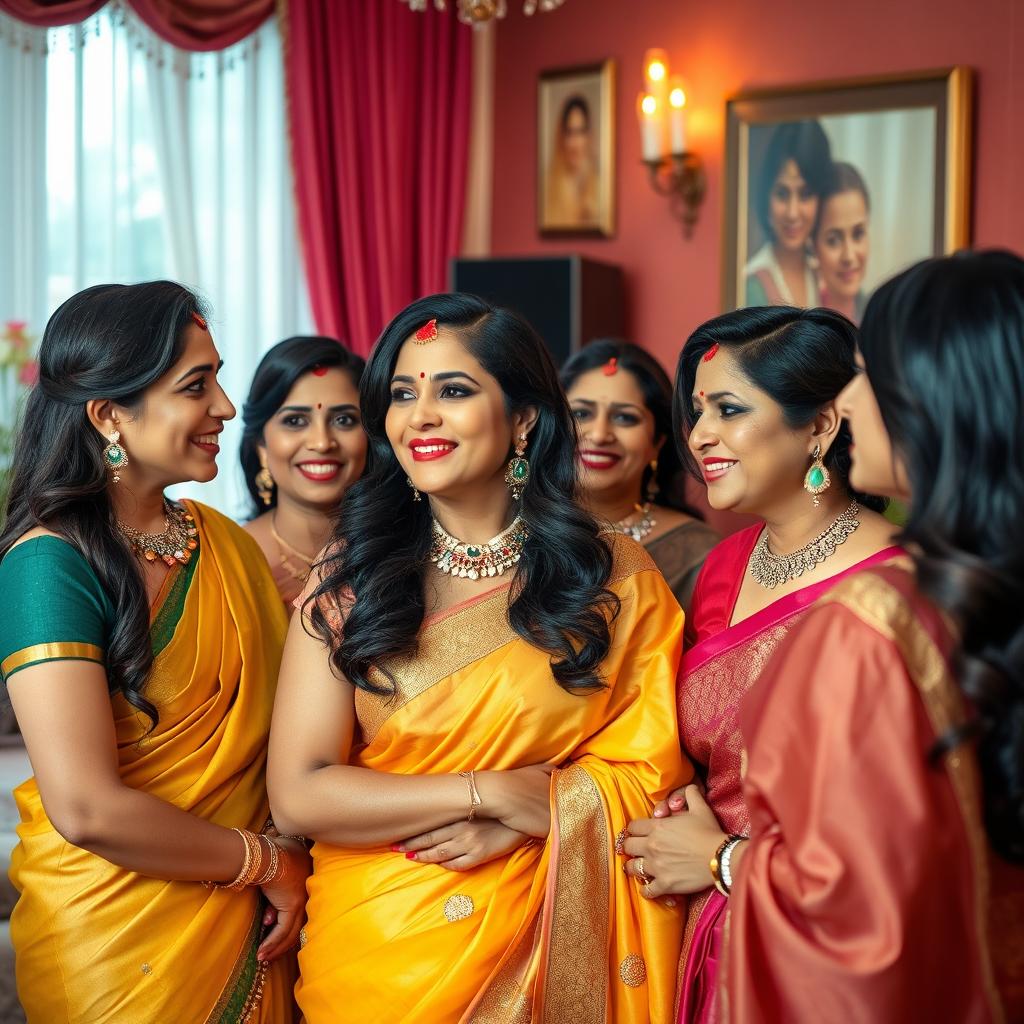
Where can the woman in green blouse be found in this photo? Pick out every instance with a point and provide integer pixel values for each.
(140, 640)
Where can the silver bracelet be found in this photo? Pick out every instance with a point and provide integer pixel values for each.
(725, 861)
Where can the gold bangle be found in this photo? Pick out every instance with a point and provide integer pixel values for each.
(270, 873)
(475, 799)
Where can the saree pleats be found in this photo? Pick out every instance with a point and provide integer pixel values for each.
(96, 942)
(554, 931)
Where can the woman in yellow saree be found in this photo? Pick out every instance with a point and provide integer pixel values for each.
(465, 796)
(147, 733)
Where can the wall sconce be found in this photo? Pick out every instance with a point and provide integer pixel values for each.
(675, 171)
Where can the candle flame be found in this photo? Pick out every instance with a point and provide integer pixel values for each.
(656, 71)
(677, 97)
(649, 105)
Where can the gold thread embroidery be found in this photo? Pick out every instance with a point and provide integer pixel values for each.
(577, 960)
(506, 998)
(146, 969)
(50, 652)
(458, 907)
(303, 938)
(881, 606)
(633, 970)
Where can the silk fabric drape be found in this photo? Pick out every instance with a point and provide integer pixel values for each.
(95, 942)
(378, 98)
(188, 24)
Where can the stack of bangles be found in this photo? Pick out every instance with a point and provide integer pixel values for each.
(721, 864)
(263, 864)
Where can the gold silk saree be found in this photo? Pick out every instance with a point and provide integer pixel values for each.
(553, 931)
(98, 943)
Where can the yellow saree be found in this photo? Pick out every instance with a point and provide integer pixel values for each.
(552, 932)
(95, 942)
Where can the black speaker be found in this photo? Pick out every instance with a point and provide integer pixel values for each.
(569, 300)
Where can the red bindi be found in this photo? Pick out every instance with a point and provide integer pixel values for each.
(422, 376)
(611, 367)
(701, 394)
(711, 353)
(319, 371)
(319, 405)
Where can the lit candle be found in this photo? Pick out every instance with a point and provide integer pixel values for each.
(677, 115)
(656, 75)
(651, 127)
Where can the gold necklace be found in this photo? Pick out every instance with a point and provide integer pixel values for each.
(771, 570)
(282, 546)
(472, 561)
(641, 527)
(174, 545)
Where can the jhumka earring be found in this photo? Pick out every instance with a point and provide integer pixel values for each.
(265, 484)
(415, 493)
(652, 483)
(115, 456)
(517, 476)
(817, 480)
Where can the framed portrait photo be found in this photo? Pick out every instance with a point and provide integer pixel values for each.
(576, 151)
(834, 187)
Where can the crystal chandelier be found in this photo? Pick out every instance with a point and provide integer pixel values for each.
(476, 12)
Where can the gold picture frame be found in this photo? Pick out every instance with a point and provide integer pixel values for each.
(576, 151)
(903, 142)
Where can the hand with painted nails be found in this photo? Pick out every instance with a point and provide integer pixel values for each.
(287, 898)
(674, 803)
(463, 845)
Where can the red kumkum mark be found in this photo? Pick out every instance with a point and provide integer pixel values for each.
(711, 353)
(319, 371)
(428, 332)
(422, 375)
(701, 393)
(319, 405)
(611, 367)
(199, 321)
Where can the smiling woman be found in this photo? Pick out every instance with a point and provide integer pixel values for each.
(303, 445)
(140, 660)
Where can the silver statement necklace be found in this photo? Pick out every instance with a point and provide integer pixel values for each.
(474, 561)
(771, 570)
(639, 528)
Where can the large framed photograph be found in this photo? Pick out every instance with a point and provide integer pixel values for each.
(834, 187)
(576, 151)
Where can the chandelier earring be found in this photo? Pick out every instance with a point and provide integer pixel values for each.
(651, 491)
(817, 480)
(415, 493)
(114, 455)
(517, 476)
(264, 483)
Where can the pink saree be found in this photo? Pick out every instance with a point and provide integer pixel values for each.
(714, 675)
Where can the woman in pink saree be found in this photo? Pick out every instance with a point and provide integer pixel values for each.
(755, 399)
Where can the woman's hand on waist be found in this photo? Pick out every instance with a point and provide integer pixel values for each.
(463, 845)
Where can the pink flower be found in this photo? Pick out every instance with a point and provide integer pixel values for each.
(29, 374)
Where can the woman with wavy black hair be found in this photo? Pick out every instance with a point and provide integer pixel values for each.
(629, 478)
(302, 447)
(755, 400)
(883, 879)
(475, 699)
(139, 642)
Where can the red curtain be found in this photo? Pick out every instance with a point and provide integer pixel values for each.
(187, 24)
(379, 112)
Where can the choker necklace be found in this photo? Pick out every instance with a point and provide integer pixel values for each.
(639, 529)
(176, 544)
(473, 561)
(284, 549)
(771, 570)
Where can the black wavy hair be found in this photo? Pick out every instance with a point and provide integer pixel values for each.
(800, 358)
(656, 388)
(943, 346)
(278, 370)
(110, 341)
(382, 538)
(804, 142)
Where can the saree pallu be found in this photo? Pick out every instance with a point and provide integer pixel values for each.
(553, 932)
(95, 942)
(714, 676)
(868, 893)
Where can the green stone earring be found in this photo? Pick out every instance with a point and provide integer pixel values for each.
(517, 476)
(115, 456)
(817, 480)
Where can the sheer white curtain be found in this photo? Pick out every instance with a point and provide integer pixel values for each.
(156, 163)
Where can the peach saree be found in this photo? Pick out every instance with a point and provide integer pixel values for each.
(553, 932)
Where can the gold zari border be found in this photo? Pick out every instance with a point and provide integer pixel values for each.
(50, 652)
(881, 606)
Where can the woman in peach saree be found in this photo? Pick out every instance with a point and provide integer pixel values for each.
(464, 864)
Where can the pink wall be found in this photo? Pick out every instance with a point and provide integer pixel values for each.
(723, 47)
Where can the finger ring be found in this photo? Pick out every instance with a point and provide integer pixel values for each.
(620, 841)
(640, 873)
(646, 891)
